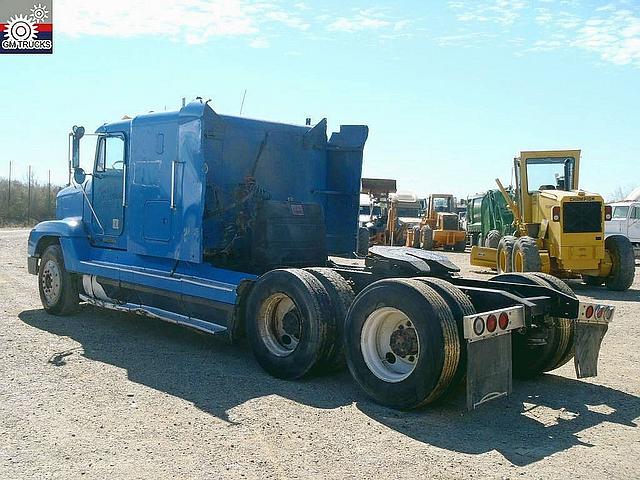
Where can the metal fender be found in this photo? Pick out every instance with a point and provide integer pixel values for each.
(71, 234)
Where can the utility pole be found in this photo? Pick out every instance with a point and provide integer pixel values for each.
(49, 196)
(9, 190)
(29, 195)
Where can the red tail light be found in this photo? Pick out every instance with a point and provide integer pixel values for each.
(503, 320)
(555, 214)
(588, 312)
(492, 323)
(599, 311)
(607, 212)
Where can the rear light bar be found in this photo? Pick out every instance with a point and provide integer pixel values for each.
(595, 312)
(493, 323)
(607, 212)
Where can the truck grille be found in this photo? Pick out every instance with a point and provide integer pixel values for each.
(582, 217)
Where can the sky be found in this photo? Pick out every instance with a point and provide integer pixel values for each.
(451, 90)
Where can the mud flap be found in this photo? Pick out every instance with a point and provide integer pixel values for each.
(485, 384)
(590, 328)
(489, 367)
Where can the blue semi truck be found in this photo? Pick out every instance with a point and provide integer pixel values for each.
(244, 228)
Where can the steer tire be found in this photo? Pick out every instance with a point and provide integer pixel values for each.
(311, 317)
(624, 264)
(341, 295)
(493, 238)
(434, 337)
(58, 288)
(542, 346)
(426, 237)
(505, 253)
(460, 246)
(363, 241)
(561, 323)
(525, 256)
(460, 306)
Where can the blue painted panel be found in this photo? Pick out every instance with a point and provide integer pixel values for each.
(167, 162)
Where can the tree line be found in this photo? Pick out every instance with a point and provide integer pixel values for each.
(26, 202)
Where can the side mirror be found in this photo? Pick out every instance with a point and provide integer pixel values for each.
(79, 176)
(76, 133)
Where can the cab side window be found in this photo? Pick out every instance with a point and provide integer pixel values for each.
(110, 155)
(635, 213)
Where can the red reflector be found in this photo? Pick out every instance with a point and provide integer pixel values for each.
(588, 312)
(492, 323)
(607, 212)
(478, 326)
(503, 320)
(555, 215)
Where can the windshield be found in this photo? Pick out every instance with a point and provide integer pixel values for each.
(442, 204)
(620, 212)
(408, 212)
(375, 211)
(549, 173)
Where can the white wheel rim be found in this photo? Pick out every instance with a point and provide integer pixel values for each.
(280, 324)
(390, 345)
(51, 284)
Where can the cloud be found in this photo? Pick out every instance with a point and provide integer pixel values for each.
(367, 20)
(610, 30)
(259, 43)
(192, 21)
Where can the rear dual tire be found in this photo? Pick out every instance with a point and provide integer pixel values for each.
(546, 346)
(402, 343)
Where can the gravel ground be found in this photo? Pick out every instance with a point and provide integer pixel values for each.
(108, 395)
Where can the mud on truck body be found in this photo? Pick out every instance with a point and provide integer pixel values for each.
(237, 227)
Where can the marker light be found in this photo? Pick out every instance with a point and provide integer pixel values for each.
(599, 311)
(503, 320)
(607, 212)
(492, 323)
(588, 312)
(609, 313)
(478, 326)
(555, 215)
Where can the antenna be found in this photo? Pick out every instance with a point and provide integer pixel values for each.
(243, 97)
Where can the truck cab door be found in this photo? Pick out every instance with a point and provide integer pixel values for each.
(633, 226)
(108, 190)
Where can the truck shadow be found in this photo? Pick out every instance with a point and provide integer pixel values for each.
(540, 418)
(601, 293)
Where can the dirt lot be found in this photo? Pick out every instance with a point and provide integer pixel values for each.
(109, 395)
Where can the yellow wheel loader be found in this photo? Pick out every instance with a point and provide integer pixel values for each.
(439, 226)
(558, 228)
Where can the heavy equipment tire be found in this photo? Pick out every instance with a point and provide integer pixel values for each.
(402, 343)
(58, 288)
(416, 237)
(426, 236)
(460, 246)
(624, 263)
(341, 295)
(460, 306)
(290, 323)
(493, 238)
(562, 323)
(541, 347)
(525, 256)
(363, 241)
(592, 281)
(504, 253)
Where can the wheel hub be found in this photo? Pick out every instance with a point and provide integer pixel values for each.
(404, 342)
